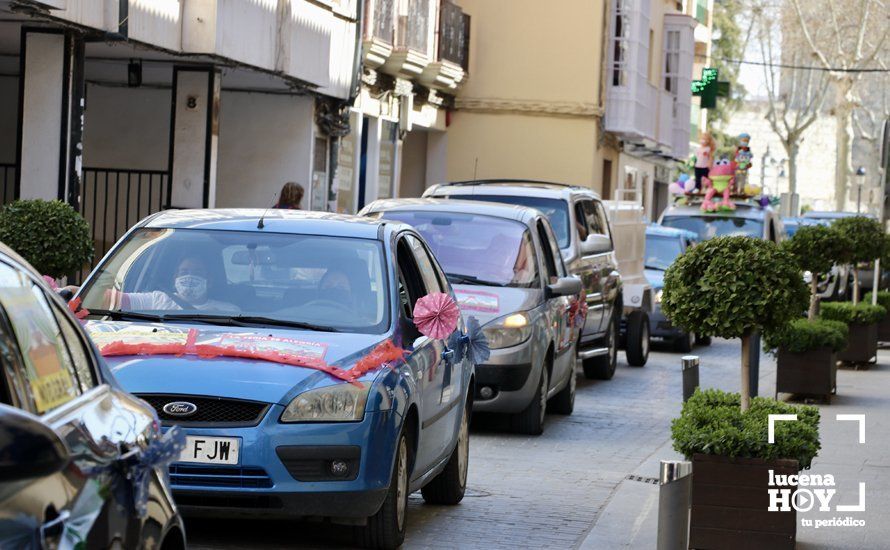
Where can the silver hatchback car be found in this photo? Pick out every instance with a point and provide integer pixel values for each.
(506, 270)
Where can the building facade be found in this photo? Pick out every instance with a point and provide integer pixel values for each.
(593, 93)
(127, 107)
(414, 56)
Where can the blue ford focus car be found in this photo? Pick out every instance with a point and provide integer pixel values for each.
(285, 345)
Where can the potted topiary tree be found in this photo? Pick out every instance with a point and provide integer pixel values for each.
(883, 300)
(867, 243)
(732, 461)
(806, 356)
(817, 249)
(50, 235)
(862, 320)
(732, 286)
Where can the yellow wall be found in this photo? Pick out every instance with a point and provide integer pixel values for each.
(528, 108)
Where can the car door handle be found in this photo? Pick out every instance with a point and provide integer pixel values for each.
(448, 355)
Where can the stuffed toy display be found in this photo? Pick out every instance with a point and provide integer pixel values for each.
(720, 179)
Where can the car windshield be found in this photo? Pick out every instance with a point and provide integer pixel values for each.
(556, 210)
(243, 278)
(708, 227)
(661, 251)
(475, 249)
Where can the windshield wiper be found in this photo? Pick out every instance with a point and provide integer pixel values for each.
(247, 321)
(459, 278)
(126, 315)
(659, 268)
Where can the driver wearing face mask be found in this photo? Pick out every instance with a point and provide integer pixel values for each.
(190, 285)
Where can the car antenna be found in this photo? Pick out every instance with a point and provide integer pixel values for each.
(260, 223)
(475, 167)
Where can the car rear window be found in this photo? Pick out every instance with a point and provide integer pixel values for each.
(556, 210)
(474, 249)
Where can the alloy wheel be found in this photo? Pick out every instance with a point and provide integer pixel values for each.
(463, 449)
(402, 481)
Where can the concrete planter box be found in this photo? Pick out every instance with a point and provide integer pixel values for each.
(862, 344)
(812, 372)
(730, 505)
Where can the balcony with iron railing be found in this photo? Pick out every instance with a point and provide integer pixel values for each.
(449, 69)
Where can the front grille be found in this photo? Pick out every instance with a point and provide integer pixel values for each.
(194, 475)
(263, 502)
(210, 410)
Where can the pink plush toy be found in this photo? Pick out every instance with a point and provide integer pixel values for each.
(719, 180)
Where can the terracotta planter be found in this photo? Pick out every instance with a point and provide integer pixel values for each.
(730, 505)
(884, 330)
(862, 344)
(812, 372)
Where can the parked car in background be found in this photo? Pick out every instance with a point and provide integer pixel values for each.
(505, 265)
(663, 246)
(866, 275)
(581, 225)
(792, 224)
(748, 219)
(69, 433)
(284, 343)
(832, 285)
(830, 216)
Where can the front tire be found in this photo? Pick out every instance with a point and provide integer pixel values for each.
(450, 485)
(531, 420)
(603, 366)
(684, 342)
(564, 401)
(386, 528)
(703, 340)
(637, 351)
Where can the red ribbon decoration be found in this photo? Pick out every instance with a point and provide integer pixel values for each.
(74, 307)
(383, 353)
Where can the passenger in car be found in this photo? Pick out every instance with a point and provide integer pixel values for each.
(190, 283)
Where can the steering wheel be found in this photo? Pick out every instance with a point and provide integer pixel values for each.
(330, 304)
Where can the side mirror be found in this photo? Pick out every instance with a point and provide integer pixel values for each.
(28, 447)
(595, 244)
(565, 286)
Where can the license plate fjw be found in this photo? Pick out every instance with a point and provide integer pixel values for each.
(211, 450)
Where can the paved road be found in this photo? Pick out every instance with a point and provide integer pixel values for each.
(534, 492)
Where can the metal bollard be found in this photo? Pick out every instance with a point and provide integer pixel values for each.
(674, 500)
(690, 375)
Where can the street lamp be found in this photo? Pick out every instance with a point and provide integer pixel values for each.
(860, 180)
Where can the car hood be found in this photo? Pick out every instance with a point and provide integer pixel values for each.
(655, 278)
(487, 303)
(233, 377)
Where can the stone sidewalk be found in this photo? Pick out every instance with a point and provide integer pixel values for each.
(630, 518)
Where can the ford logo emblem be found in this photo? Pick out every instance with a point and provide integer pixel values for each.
(180, 408)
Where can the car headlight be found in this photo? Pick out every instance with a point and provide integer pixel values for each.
(658, 294)
(510, 330)
(337, 403)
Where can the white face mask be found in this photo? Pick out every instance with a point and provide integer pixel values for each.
(191, 287)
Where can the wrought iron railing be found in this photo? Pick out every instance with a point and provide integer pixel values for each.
(7, 182)
(454, 34)
(113, 199)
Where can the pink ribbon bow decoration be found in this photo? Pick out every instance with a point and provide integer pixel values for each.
(436, 315)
